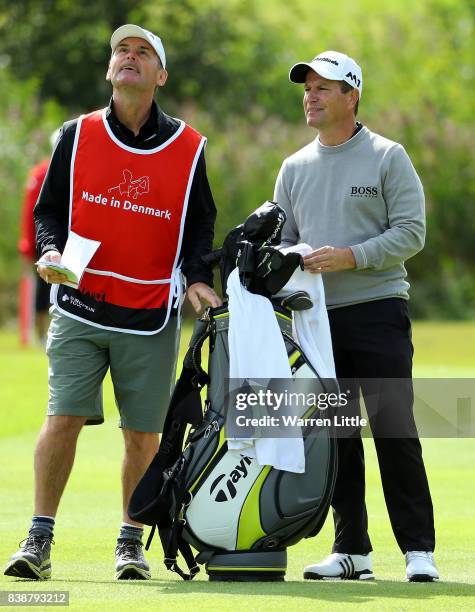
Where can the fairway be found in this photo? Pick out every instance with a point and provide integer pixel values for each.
(87, 523)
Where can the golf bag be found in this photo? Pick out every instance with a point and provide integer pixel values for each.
(238, 515)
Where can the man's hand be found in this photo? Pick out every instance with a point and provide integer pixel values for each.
(51, 276)
(201, 291)
(329, 259)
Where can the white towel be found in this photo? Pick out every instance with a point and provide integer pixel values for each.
(257, 351)
(310, 328)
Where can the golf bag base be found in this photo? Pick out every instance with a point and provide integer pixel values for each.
(247, 566)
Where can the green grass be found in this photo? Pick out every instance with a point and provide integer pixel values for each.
(90, 511)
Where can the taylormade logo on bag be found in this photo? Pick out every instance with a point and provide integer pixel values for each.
(240, 471)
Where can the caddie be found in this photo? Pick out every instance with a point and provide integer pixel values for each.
(134, 179)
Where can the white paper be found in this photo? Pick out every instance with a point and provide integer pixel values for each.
(77, 254)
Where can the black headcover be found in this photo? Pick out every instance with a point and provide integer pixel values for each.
(263, 269)
(265, 224)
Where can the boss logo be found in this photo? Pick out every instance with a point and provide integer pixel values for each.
(353, 78)
(359, 192)
(228, 491)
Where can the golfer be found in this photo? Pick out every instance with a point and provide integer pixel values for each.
(134, 179)
(356, 198)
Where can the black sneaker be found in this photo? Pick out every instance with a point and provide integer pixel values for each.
(32, 560)
(130, 564)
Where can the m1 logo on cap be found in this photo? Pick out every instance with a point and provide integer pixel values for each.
(353, 77)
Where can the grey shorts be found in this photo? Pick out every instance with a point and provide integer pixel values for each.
(142, 371)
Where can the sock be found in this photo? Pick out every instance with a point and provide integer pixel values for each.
(130, 532)
(42, 525)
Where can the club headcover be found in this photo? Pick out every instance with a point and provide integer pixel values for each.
(272, 270)
(265, 224)
(250, 246)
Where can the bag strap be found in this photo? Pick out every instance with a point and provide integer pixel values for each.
(173, 542)
(185, 404)
(171, 535)
(172, 538)
(192, 360)
(184, 408)
(150, 536)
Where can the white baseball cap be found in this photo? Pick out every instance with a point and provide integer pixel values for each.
(330, 65)
(130, 30)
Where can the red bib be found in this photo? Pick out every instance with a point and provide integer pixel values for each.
(134, 202)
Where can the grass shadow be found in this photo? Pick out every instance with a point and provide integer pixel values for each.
(339, 591)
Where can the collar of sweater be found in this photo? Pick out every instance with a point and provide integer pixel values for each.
(352, 142)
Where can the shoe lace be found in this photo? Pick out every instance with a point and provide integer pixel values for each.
(35, 543)
(129, 549)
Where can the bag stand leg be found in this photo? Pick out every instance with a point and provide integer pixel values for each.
(247, 566)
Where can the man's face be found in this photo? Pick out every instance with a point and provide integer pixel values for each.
(324, 103)
(135, 65)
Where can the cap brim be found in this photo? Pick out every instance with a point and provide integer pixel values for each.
(298, 72)
(127, 31)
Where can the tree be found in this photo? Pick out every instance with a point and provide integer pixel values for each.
(64, 45)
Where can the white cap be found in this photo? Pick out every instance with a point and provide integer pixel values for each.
(330, 65)
(134, 31)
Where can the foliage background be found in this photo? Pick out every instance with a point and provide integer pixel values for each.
(228, 65)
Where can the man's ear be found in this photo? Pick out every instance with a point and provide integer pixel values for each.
(108, 74)
(162, 77)
(354, 97)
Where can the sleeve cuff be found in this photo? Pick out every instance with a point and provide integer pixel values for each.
(199, 276)
(49, 247)
(360, 256)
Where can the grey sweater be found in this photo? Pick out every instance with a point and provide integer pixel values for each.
(363, 194)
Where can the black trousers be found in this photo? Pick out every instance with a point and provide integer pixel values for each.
(372, 341)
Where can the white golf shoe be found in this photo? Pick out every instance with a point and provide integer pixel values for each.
(420, 566)
(339, 566)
